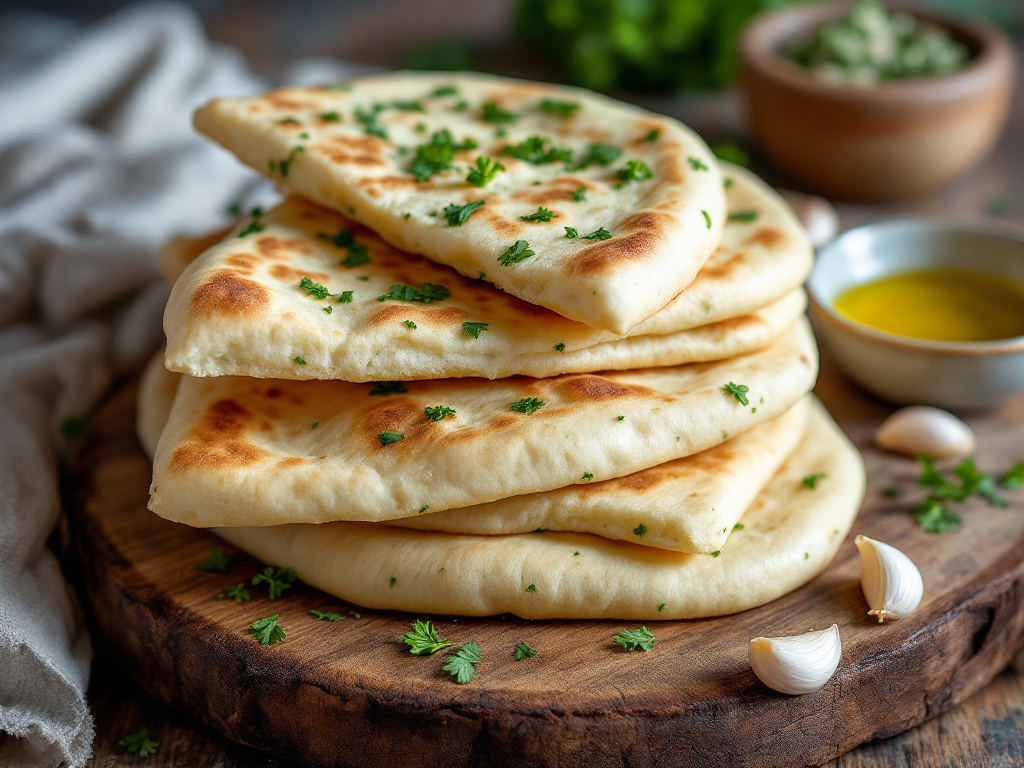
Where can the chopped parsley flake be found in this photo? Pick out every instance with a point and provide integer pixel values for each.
(425, 294)
(619, 418)
(328, 309)
(331, 117)
(388, 388)
(892, 492)
(407, 106)
(739, 527)
(276, 579)
(346, 297)
(518, 251)
(485, 171)
(744, 216)
(425, 507)
(217, 562)
(652, 137)
(527, 405)
(392, 583)
(325, 615)
(1014, 477)
(634, 170)
(267, 630)
(438, 413)
(316, 290)
(474, 329)
(457, 214)
(640, 530)
(697, 164)
(523, 651)
(409, 324)
(283, 166)
(491, 112)
(599, 154)
(716, 553)
(371, 124)
(600, 234)
(935, 517)
(444, 90)
(559, 108)
(406, 215)
(739, 391)
(255, 225)
(345, 239)
(387, 438)
(587, 477)
(423, 639)
(640, 639)
(461, 664)
(560, 347)
(139, 744)
(238, 593)
(661, 607)
(289, 121)
(537, 150)
(571, 233)
(542, 214)
(579, 195)
(436, 155)
(532, 588)
(315, 425)
(707, 218)
(811, 481)
(299, 360)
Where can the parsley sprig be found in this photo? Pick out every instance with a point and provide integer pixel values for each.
(237, 592)
(527, 405)
(485, 171)
(524, 651)
(371, 124)
(542, 214)
(438, 412)
(739, 391)
(345, 239)
(325, 615)
(423, 639)
(599, 154)
(811, 481)
(640, 639)
(538, 151)
(276, 579)
(217, 562)
(571, 233)
(139, 744)
(519, 251)
(457, 214)
(462, 664)
(492, 112)
(473, 329)
(267, 631)
(559, 108)
(255, 225)
(634, 170)
(386, 439)
(437, 154)
(425, 294)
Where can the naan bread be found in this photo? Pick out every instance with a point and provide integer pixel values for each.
(240, 451)
(240, 309)
(326, 144)
(790, 535)
(687, 505)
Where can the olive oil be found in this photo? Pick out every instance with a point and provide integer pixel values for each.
(938, 304)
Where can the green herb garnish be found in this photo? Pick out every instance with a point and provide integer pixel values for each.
(388, 388)
(238, 593)
(423, 639)
(267, 631)
(387, 438)
(523, 651)
(346, 297)
(599, 154)
(276, 579)
(640, 530)
(427, 293)
(542, 214)
(438, 413)
(371, 124)
(409, 324)
(697, 164)
(640, 639)
(331, 117)
(934, 517)
(1014, 477)
(652, 136)
(457, 214)
(474, 329)
(255, 225)
(485, 171)
(325, 616)
(461, 664)
(527, 405)
(571, 233)
(217, 562)
(739, 391)
(559, 108)
(587, 477)
(634, 170)
(707, 218)
(139, 744)
(436, 155)
(299, 360)
(518, 251)
(491, 112)
(283, 166)
(579, 195)
(811, 481)
(744, 216)
(537, 150)
(560, 347)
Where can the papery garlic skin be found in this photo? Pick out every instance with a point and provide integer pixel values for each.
(891, 583)
(798, 664)
(921, 429)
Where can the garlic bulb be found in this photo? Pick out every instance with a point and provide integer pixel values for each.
(923, 429)
(798, 664)
(891, 582)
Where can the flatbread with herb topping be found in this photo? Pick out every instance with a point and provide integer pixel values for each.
(790, 534)
(687, 505)
(242, 308)
(399, 153)
(242, 451)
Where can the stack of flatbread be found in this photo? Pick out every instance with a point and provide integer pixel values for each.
(502, 347)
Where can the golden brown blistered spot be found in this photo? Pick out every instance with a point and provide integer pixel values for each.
(285, 100)
(643, 232)
(501, 225)
(290, 461)
(287, 274)
(596, 389)
(393, 415)
(226, 293)
(396, 312)
(245, 262)
(342, 157)
(214, 454)
(719, 269)
(378, 183)
(269, 245)
(768, 237)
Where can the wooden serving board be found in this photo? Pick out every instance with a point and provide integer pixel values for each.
(349, 694)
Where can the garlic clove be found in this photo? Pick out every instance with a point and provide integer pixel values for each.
(798, 664)
(891, 582)
(922, 429)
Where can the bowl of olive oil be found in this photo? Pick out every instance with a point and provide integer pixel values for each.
(925, 311)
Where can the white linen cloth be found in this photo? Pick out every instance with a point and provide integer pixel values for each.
(99, 166)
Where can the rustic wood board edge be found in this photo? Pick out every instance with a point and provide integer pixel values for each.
(259, 701)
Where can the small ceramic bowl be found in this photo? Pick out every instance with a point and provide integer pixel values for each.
(896, 139)
(957, 375)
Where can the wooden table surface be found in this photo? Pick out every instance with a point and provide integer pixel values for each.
(986, 731)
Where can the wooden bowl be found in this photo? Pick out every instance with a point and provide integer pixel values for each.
(900, 138)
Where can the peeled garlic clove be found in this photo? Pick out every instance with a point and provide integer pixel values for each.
(923, 429)
(891, 582)
(798, 664)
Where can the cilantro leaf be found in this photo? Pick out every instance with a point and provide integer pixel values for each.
(739, 391)
(518, 251)
(571, 233)
(345, 297)
(579, 194)
(387, 438)
(437, 154)
(811, 481)
(528, 405)
(325, 616)
(216, 562)
(474, 329)
(485, 171)
(299, 360)
(523, 651)
(559, 108)
(634, 170)
(276, 579)
(139, 744)
(425, 294)
(934, 517)
(237, 592)
(560, 346)
(438, 412)
(461, 664)
(542, 214)
(640, 530)
(457, 214)
(537, 150)
(599, 234)
(267, 631)
(587, 477)
(315, 289)
(388, 388)
(491, 112)
(423, 639)
(636, 639)
(599, 154)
